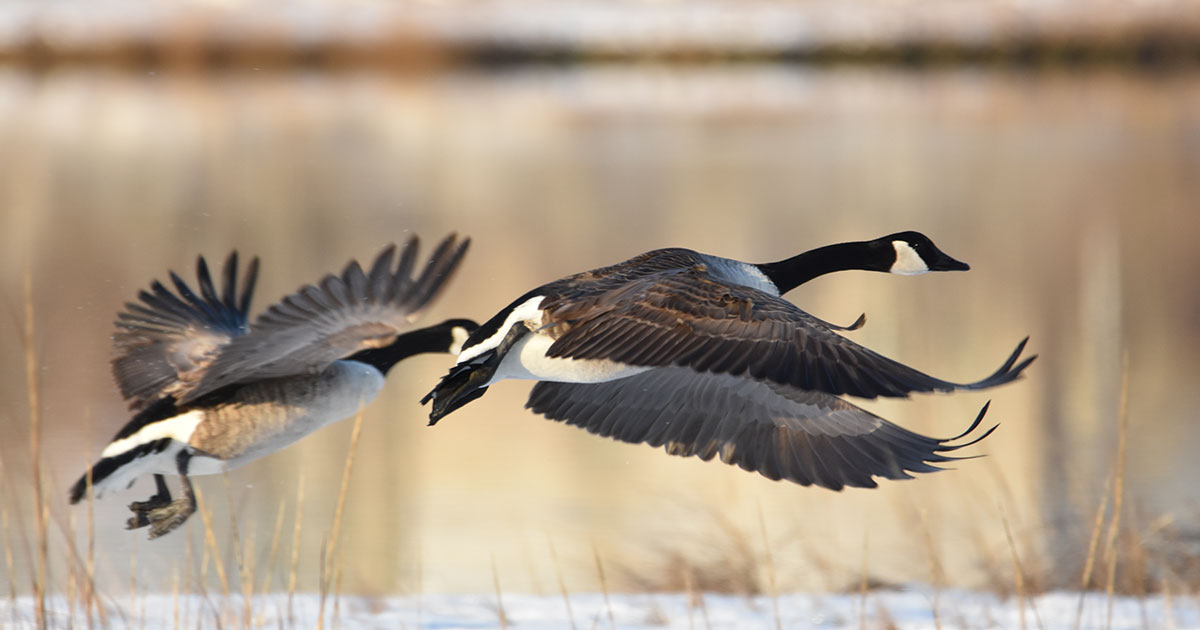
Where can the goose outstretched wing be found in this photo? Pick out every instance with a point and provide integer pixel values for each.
(777, 430)
(335, 318)
(685, 317)
(166, 340)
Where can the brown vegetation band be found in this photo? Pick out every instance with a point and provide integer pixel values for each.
(481, 34)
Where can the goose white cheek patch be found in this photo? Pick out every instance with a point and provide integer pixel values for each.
(908, 261)
(458, 336)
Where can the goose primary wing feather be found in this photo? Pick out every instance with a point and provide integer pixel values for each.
(335, 318)
(779, 431)
(166, 340)
(686, 317)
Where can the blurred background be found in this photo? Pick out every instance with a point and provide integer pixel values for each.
(1054, 147)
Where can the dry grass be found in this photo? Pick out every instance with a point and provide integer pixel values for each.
(1114, 528)
(562, 583)
(1018, 571)
(720, 559)
(1137, 560)
(501, 616)
(612, 622)
(862, 585)
(936, 577)
(770, 561)
(295, 559)
(330, 548)
(29, 341)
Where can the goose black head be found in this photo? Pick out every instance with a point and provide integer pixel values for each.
(911, 253)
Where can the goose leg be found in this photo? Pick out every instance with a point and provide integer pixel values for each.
(140, 509)
(164, 518)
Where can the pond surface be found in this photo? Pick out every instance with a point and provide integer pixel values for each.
(1074, 197)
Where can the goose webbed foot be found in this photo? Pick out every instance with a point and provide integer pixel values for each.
(162, 514)
(165, 519)
(141, 509)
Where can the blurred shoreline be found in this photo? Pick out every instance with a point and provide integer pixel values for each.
(437, 34)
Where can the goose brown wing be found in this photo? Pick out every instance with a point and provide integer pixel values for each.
(167, 339)
(685, 317)
(335, 318)
(776, 430)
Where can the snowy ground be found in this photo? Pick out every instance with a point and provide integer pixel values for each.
(909, 609)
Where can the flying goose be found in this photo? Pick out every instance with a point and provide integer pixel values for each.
(211, 392)
(700, 354)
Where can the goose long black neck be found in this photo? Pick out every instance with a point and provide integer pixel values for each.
(792, 272)
(437, 338)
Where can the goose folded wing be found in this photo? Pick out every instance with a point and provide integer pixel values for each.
(810, 438)
(335, 318)
(687, 318)
(166, 340)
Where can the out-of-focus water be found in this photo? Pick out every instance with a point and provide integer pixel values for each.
(1074, 196)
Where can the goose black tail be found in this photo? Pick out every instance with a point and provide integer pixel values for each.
(104, 468)
(463, 384)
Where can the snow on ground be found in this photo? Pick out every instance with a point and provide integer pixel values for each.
(907, 609)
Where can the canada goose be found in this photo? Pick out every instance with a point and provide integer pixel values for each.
(212, 393)
(701, 354)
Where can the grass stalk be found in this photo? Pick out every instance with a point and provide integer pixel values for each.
(9, 565)
(1137, 549)
(612, 621)
(189, 563)
(239, 556)
(1089, 564)
(210, 542)
(337, 591)
(935, 567)
(695, 597)
(248, 575)
(762, 525)
(90, 599)
(862, 585)
(77, 575)
(189, 557)
(500, 614)
(1167, 603)
(272, 554)
(295, 560)
(562, 584)
(689, 587)
(1118, 488)
(323, 570)
(883, 617)
(35, 446)
(73, 582)
(1019, 570)
(331, 548)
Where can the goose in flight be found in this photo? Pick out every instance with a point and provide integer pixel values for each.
(210, 392)
(700, 354)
